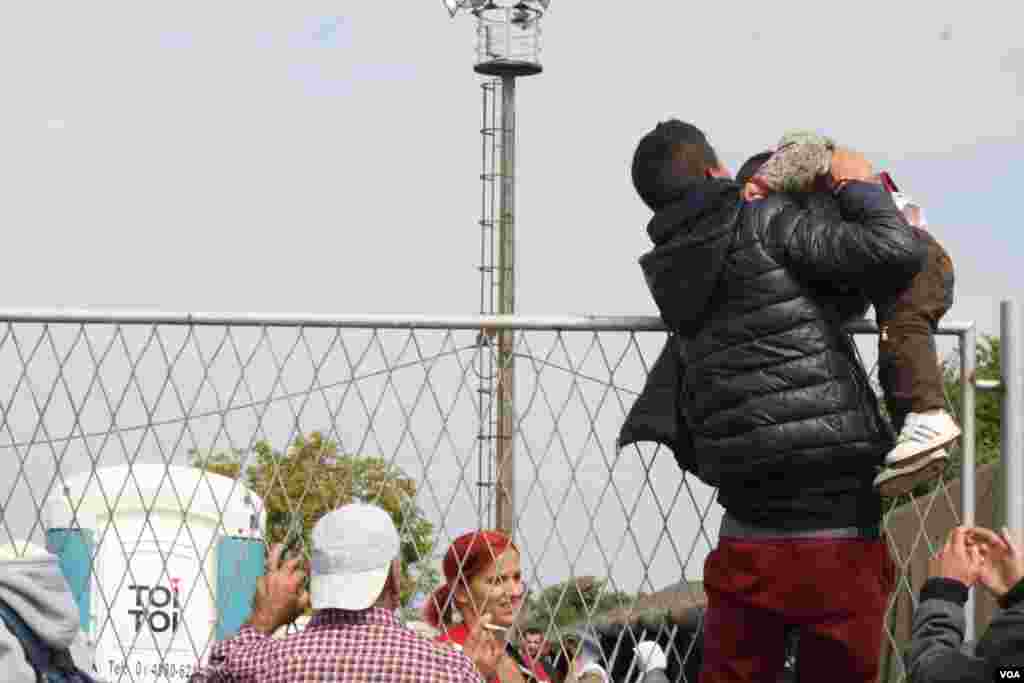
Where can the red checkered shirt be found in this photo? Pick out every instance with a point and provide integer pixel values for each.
(371, 646)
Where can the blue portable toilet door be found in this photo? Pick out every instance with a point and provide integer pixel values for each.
(240, 563)
(76, 551)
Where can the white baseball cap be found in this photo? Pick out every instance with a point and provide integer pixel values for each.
(353, 548)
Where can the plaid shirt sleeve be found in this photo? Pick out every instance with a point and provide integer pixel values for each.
(340, 647)
(236, 659)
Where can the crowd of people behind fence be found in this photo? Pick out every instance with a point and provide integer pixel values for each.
(758, 392)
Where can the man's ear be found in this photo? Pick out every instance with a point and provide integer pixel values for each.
(718, 172)
(394, 583)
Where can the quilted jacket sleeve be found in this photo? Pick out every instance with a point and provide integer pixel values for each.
(871, 248)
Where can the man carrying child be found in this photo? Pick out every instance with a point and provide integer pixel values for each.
(780, 414)
(908, 366)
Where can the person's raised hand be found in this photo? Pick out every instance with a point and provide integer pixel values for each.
(483, 649)
(1004, 560)
(650, 656)
(508, 670)
(752, 191)
(958, 559)
(281, 596)
(848, 165)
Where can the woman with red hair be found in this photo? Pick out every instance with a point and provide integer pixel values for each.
(483, 581)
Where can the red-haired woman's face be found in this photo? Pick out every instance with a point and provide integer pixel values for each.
(496, 590)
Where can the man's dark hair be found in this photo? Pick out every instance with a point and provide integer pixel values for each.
(668, 158)
(750, 167)
(533, 631)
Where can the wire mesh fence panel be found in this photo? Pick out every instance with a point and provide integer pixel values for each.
(159, 456)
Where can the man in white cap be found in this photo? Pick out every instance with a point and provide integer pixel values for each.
(354, 634)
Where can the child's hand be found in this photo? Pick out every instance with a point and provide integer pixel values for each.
(849, 165)
(752, 192)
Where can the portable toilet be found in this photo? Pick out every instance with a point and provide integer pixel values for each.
(162, 560)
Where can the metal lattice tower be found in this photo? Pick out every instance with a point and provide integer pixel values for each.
(508, 46)
(495, 439)
(490, 176)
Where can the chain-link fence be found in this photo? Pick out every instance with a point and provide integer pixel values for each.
(155, 454)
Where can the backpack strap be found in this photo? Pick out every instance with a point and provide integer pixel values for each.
(43, 658)
(37, 652)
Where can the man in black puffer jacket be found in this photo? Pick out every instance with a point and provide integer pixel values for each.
(779, 411)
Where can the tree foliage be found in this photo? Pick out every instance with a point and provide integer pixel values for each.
(987, 411)
(987, 404)
(572, 602)
(312, 478)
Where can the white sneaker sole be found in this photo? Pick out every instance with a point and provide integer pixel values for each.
(909, 452)
(893, 482)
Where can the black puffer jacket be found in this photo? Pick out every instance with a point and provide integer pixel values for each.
(679, 633)
(779, 408)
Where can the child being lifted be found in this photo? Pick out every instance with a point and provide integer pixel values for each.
(908, 365)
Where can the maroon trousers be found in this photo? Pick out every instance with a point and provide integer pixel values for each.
(835, 591)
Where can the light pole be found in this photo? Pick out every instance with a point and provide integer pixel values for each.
(508, 46)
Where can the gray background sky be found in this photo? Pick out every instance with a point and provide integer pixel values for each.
(324, 157)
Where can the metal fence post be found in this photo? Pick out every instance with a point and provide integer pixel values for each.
(505, 453)
(1011, 437)
(968, 499)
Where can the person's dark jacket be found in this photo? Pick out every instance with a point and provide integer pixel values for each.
(778, 409)
(937, 652)
(657, 414)
(613, 647)
(680, 635)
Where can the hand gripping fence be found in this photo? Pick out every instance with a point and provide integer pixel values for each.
(156, 454)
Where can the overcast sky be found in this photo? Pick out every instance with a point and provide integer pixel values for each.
(324, 157)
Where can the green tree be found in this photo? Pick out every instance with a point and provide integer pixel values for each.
(573, 602)
(312, 478)
(987, 411)
(987, 404)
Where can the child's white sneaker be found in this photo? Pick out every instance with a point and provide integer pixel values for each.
(922, 433)
(892, 482)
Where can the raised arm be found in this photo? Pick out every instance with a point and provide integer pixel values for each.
(280, 598)
(937, 637)
(872, 248)
(936, 641)
(1003, 576)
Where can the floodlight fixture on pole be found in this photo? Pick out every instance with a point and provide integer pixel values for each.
(507, 47)
(507, 34)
